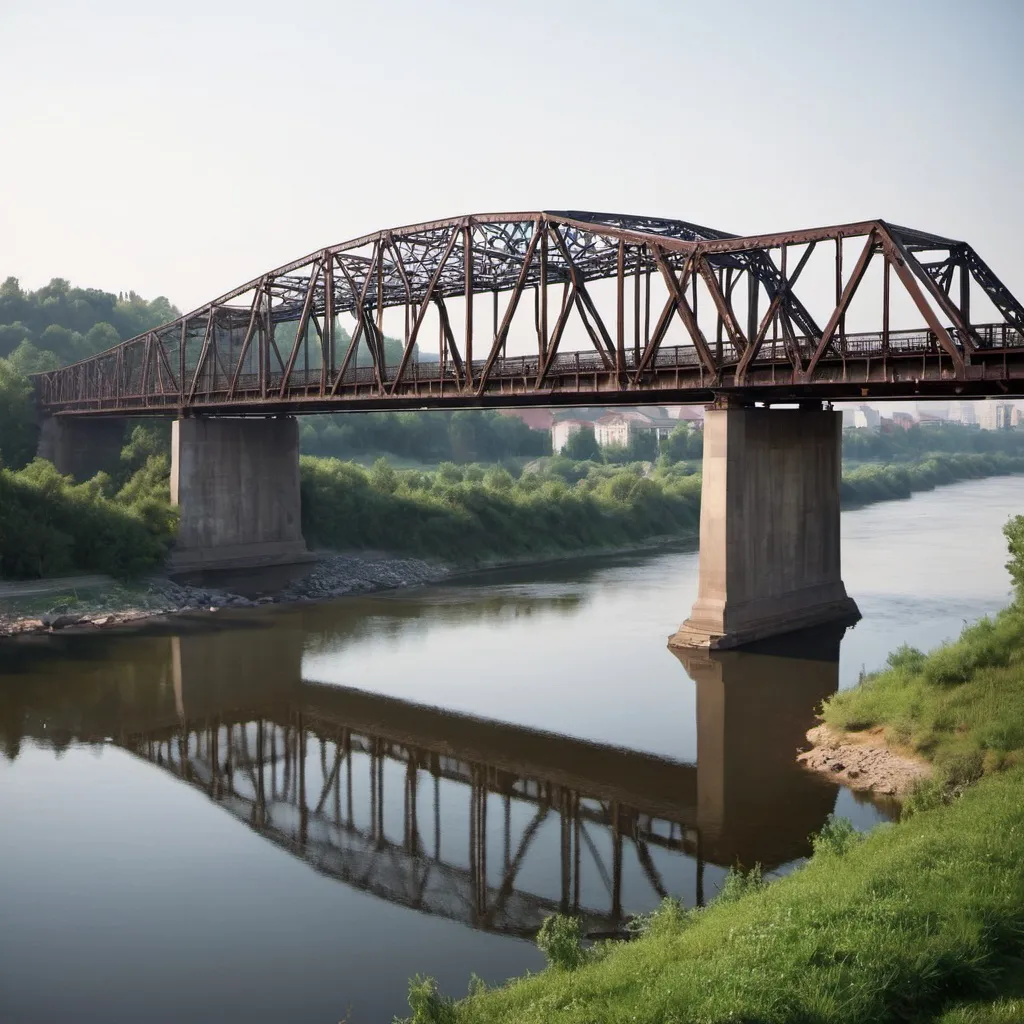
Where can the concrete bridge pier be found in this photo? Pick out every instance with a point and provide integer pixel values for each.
(81, 446)
(769, 527)
(236, 485)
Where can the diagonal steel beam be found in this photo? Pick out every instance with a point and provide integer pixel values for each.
(849, 290)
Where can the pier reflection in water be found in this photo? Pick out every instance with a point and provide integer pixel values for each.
(486, 823)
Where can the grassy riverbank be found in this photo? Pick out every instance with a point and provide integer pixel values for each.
(919, 921)
(467, 514)
(461, 515)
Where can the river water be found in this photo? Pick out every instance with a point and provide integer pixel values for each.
(283, 814)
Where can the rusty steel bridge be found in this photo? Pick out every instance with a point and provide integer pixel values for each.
(602, 309)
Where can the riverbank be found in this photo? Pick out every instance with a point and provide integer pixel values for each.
(363, 571)
(919, 920)
(122, 605)
(863, 761)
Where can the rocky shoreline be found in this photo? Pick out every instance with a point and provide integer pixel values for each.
(333, 575)
(862, 761)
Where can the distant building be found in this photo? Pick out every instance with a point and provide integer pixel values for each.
(1017, 419)
(562, 430)
(864, 416)
(900, 421)
(995, 415)
(963, 412)
(619, 428)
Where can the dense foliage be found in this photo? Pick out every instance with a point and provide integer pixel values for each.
(49, 525)
(72, 323)
(431, 437)
(474, 514)
(883, 482)
(18, 428)
(896, 445)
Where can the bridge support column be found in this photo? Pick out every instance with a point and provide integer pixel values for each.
(769, 527)
(236, 485)
(81, 446)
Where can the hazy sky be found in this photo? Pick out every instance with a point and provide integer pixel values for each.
(183, 147)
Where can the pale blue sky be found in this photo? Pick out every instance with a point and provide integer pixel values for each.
(181, 148)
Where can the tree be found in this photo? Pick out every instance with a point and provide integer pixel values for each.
(643, 446)
(100, 337)
(1014, 533)
(19, 432)
(683, 443)
(582, 445)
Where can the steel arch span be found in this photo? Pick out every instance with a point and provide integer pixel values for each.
(664, 310)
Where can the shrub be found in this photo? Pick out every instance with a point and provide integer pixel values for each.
(836, 838)
(427, 1004)
(670, 916)
(738, 883)
(559, 939)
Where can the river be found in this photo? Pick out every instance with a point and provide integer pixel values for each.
(283, 814)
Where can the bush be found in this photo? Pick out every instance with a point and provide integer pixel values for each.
(738, 884)
(466, 515)
(559, 939)
(427, 1004)
(836, 838)
(50, 525)
(670, 916)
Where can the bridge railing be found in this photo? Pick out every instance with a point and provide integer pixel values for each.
(132, 385)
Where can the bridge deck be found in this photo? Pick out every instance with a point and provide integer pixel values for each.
(630, 287)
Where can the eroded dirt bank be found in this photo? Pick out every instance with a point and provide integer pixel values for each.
(862, 761)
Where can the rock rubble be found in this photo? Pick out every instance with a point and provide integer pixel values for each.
(333, 576)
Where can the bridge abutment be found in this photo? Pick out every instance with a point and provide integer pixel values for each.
(236, 485)
(769, 527)
(81, 446)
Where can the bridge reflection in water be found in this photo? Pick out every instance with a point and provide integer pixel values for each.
(491, 824)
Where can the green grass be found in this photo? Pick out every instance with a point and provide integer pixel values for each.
(1008, 1008)
(960, 705)
(907, 923)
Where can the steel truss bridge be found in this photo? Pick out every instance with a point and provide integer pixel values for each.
(665, 311)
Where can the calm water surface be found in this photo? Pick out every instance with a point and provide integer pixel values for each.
(282, 815)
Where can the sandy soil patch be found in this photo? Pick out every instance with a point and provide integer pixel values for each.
(862, 761)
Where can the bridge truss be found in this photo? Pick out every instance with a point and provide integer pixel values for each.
(317, 790)
(665, 311)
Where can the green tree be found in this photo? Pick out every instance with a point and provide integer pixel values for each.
(643, 446)
(19, 432)
(683, 443)
(582, 445)
(1014, 532)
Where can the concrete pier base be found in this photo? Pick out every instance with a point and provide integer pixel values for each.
(81, 446)
(769, 527)
(236, 484)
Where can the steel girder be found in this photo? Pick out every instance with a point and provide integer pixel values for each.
(274, 343)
